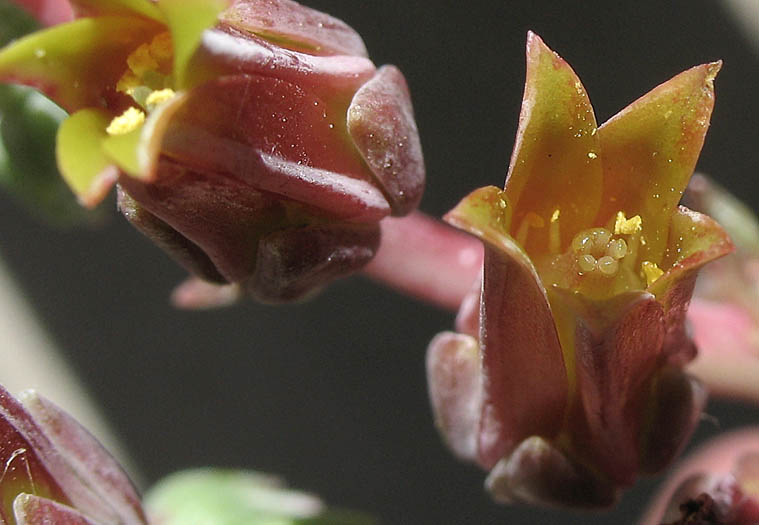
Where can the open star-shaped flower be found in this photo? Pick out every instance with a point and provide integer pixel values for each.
(566, 382)
(251, 139)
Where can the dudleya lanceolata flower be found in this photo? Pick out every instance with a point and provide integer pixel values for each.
(251, 139)
(54, 471)
(566, 381)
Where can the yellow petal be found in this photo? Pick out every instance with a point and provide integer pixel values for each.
(649, 151)
(555, 164)
(76, 64)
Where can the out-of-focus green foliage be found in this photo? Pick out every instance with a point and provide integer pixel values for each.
(236, 497)
(28, 126)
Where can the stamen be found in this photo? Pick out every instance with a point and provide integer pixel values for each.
(161, 47)
(140, 61)
(531, 220)
(127, 82)
(128, 121)
(608, 265)
(651, 272)
(159, 97)
(554, 234)
(626, 226)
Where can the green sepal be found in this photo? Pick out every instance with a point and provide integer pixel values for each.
(187, 19)
(122, 150)
(83, 163)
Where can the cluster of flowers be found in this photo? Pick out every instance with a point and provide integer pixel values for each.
(257, 144)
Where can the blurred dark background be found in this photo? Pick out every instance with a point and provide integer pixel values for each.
(330, 394)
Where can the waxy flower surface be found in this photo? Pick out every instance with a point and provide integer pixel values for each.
(566, 382)
(54, 471)
(251, 139)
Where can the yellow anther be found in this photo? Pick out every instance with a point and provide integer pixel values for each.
(626, 226)
(128, 121)
(592, 155)
(554, 233)
(651, 272)
(608, 265)
(161, 48)
(159, 97)
(127, 82)
(140, 61)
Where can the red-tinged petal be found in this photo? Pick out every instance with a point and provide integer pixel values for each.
(678, 401)
(187, 20)
(221, 215)
(49, 12)
(455, 389)
(81, 160)
(468, 316)
(294, 26)
(649, 152)
(148, 150)
(538, 473)
(617, 344)
(274, 136)
(295, 262)
(332, 78)
(33, 510)
(381, 123)
(93, 465)
(182, 250)
(518, 338)
(694, 240)
(92, 8)
(556, 163)
(197, 294)
(79, 63)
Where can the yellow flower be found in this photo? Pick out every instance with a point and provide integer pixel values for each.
(589, 266)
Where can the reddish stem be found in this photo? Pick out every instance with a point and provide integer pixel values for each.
(427, 259)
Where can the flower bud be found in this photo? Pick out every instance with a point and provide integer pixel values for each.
(256, 136)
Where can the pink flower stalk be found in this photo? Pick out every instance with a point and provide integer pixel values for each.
(719, 483)
(254, 141)
(56, 472)
(566, 381)
(48, 12)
